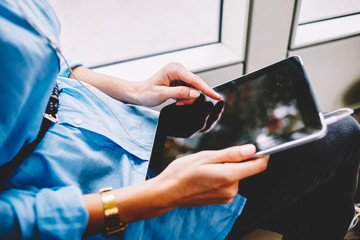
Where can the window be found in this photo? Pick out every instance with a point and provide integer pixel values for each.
(103, 32)
(318, 10)
(326, 20)
(118, 36)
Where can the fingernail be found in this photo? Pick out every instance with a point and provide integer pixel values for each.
(218, 95)
(194, 93)
(180, 104)
(247, 150)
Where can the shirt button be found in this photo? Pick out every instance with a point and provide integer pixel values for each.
(78, 121)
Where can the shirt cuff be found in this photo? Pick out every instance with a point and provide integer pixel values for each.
(61, 213)
(57, 213)
(64, 68)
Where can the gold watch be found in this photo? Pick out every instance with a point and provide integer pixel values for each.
(113, 224)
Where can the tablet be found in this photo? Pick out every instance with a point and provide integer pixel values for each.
(273, 108)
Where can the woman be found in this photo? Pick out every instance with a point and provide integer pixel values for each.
(99, 141)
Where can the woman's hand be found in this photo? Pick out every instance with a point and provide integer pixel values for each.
(210, 177)
(173, 81)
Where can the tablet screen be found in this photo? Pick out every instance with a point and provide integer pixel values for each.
(268, 108)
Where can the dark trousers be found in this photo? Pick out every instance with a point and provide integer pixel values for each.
(306, 192)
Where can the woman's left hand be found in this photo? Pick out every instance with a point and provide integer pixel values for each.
(173, 81)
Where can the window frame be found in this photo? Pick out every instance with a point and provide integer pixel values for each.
(322, 30)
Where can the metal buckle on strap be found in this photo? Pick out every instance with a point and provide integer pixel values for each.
(51, 117)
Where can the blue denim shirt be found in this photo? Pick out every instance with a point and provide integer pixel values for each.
(87, 149)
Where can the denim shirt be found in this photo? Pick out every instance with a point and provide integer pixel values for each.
(87, 149)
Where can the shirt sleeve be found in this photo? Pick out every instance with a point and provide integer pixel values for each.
(57, 213)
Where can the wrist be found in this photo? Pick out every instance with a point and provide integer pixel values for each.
(149, 199)
(142, 201)
(125, 91)
(136, 91)
(112, 222)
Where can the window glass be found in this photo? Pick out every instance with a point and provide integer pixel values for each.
(315, 10)
(108, 31)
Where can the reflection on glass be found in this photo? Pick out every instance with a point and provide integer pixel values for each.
(263, 111)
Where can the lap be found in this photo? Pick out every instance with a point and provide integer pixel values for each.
(322, 171)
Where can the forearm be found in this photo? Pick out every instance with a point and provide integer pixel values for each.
(172, 81)
(142, 201)
(117, 88)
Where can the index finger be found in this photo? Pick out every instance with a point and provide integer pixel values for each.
(196, 82)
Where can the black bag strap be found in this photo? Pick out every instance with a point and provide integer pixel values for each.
(50, 117)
